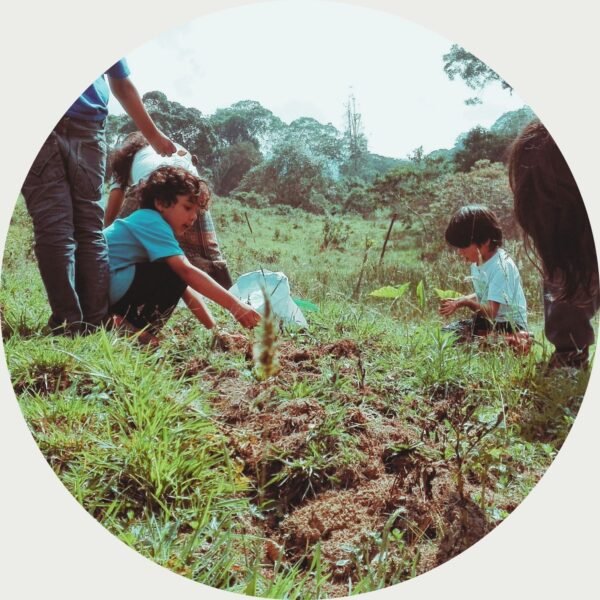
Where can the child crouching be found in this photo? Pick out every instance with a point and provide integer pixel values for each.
(498, 302)
(149, 272)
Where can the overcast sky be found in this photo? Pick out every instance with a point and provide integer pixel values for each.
(305, 58)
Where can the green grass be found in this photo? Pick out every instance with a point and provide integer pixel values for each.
(193, 460)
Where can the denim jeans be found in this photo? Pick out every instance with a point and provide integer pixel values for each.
(62, 192)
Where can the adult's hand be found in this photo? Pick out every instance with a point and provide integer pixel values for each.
(162, 144)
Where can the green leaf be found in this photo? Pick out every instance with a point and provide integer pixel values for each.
(390, 291)
(444, 294)
(305, 305)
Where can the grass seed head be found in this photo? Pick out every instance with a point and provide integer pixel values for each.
(266, 363)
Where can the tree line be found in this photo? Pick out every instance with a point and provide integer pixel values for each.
(248, 152)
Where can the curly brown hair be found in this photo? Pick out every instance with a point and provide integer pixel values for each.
(166, 183)
(550, 210)
(121, 159)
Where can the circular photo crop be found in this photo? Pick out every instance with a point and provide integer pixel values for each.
(298, 300)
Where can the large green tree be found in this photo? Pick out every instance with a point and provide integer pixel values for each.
(481, 144)
(184, 125)
(474, 72)
(247, 121)
(290, 176)
(233, 163)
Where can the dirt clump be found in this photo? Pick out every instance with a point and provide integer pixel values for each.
(466, 524)
(45, 380)
(236, 343)
(341, 349)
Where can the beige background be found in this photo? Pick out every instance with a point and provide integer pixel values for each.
(51, 547)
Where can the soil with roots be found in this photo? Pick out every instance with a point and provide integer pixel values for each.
(395, 493)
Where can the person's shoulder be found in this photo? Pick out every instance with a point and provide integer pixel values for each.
(144, 213)
(143, 218)
(148, 224)
(120, 70)
(506, 264)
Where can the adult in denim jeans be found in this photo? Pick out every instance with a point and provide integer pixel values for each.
(62, 192)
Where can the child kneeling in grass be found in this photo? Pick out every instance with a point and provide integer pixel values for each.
(149, 272)
(498, 303)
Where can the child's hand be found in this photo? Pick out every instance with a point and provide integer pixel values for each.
(246, 315)
(448, 307)
(520, 342)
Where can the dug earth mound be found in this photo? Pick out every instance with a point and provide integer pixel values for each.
(336, 474)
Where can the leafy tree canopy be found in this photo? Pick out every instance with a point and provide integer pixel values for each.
(474, 72)
(246, 121)
(290, 176)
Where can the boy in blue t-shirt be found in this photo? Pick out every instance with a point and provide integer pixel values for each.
(149, 272)
(62, 192)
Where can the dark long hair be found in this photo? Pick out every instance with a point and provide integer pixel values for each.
(122, 158)
(550, 210)
(474, 224)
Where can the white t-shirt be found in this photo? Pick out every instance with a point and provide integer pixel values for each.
(498, 280)
(147, 160)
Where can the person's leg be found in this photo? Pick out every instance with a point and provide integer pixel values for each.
(152, 296)
(568, 326)
(202, 249)
(47, 195)
(463, 330)
(482, 326)
(86, 167)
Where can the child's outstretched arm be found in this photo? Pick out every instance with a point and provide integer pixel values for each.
(203, 284)
(128, 96)
(195, 303)
(451, 305)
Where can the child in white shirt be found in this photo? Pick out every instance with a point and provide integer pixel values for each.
(498, 302)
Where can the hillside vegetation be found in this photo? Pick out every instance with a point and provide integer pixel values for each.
(374, 451)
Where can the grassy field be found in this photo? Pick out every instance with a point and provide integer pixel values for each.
(377, 451)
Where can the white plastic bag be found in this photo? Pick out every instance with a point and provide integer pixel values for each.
(249, 288)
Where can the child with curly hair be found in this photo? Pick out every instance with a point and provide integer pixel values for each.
(149, 272)
(131, 164)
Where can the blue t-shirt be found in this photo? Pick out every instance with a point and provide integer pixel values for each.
(144, 236)
(92, 105)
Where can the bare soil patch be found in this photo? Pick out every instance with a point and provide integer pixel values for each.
(333, 480)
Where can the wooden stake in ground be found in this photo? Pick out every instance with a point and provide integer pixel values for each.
(387, 237)
(368, 244)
